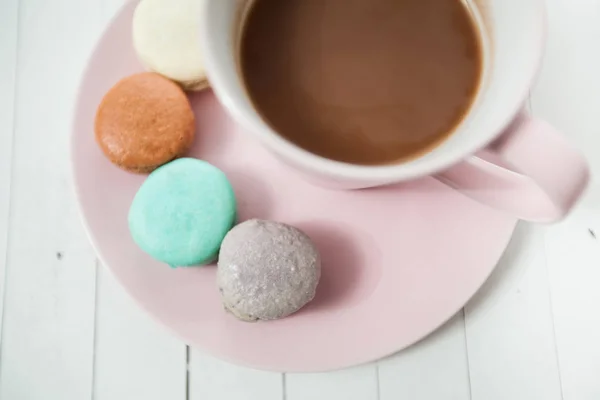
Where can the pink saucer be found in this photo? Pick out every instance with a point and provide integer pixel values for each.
(398, 261)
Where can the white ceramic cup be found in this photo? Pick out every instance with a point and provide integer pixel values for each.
(498, 155)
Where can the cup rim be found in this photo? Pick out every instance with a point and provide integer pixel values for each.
(378, 174)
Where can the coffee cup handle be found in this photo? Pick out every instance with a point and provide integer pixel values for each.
(531, 172)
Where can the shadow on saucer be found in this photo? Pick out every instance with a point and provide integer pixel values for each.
(213, 126)
(254, 196)
(340, 266)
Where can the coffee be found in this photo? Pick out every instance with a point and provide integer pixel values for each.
(362, 81)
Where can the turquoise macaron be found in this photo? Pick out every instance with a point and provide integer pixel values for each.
(182, 212)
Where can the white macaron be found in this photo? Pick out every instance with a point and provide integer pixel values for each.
(165, 38)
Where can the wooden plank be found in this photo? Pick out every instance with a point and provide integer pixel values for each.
(573, 249)
(510, 337)
(568, 94)
(135, 358)
(568, 90)
(435, 368)
(215, 379)
(510, 340)
(47, 345)
(8, 54)
(359, 383)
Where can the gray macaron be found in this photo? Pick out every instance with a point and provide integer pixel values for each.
(267, 270)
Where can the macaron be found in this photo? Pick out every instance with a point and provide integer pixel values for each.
(182, 212)
(165, 38)
(143, 122)
(267, 270)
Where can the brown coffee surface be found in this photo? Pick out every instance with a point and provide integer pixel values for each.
(362, 81)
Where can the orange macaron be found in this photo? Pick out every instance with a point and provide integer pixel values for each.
(143, 122)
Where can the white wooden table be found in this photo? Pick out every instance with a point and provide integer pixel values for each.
(68, 332)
